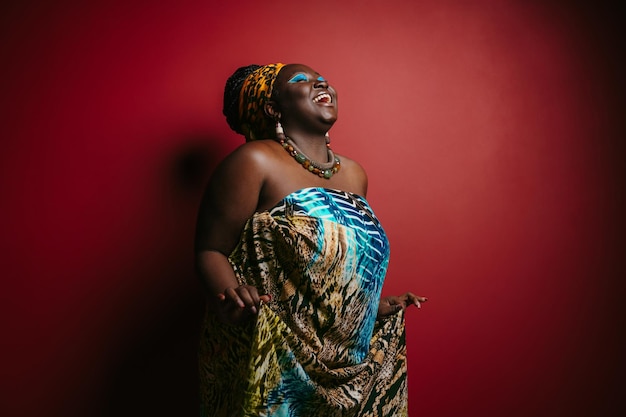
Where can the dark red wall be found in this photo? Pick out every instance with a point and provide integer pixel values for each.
(492, 132)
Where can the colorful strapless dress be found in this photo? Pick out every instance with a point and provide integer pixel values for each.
(317, 349)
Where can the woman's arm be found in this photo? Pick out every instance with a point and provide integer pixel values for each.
(230, 200)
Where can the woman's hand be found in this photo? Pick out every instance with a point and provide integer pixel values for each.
(236, 305)
(393, 304)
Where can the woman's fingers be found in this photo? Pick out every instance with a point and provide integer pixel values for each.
(413, 299)
(232, 296)
(244, 298)
(416, 300)
(250, 297)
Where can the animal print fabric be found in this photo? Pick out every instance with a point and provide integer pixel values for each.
(255, 93)
(317, 349)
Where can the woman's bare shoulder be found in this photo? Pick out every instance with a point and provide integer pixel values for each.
(350, 163)
(354, 175)
(255, 151)
(251, 157)
(233, 193)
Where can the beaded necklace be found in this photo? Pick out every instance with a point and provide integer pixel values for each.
(323, 170)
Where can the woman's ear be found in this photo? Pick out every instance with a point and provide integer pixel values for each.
(271, 110)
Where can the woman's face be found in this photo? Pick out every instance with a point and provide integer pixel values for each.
(304, 98)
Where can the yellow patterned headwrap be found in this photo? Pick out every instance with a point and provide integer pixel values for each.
(256, 91)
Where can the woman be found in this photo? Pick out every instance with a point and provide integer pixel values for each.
(293, 261)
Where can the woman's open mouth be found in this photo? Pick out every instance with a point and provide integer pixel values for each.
(323, 98)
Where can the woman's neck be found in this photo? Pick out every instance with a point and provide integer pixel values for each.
(312, 145)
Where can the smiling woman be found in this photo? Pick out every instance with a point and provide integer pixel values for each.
(293, 261)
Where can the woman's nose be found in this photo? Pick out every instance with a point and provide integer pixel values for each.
(321, 84)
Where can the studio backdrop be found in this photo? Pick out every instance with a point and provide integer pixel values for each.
(492, 133)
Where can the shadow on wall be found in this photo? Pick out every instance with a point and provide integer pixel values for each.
(154, 370)
(156, 373)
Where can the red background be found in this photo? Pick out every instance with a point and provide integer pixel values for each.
(493, 134)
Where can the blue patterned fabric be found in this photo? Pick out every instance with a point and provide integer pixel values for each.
(317, 348)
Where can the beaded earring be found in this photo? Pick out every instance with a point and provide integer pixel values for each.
(280, 133)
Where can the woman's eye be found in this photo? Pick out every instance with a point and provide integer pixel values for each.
(320, 78)
(298, 78)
